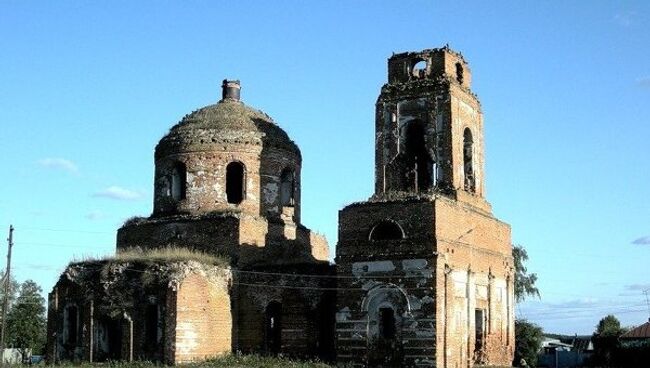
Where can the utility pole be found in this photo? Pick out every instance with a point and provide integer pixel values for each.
(5, 302)
(647, 301)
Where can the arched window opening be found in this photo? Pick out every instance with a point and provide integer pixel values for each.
(386, 230)
(274, 327)
(468, 161)
(71, 324)
(419, 69)
(235, 183)
(387, 325)
(459, 73)
(287, 187)
(418, 161)
(179, 181)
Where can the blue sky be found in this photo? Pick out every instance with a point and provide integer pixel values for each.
(87, 89)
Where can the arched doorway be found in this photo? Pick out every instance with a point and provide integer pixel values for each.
(386, 306)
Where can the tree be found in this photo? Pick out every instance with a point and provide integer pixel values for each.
(13, 289)
(528, 336)
(528, 341)
(606, 343)
(609, 326)
(26, 321)
(524, 282)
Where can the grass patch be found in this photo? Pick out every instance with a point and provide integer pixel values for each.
(261, 362)
(226, 361)
(170, 254)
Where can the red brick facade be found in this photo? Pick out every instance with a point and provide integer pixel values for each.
(428, 270)
(423, 275)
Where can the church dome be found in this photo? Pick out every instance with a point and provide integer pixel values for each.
(229, 121)
(227, 157)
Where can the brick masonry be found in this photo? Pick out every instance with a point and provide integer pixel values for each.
(428, 269)
(423, 273)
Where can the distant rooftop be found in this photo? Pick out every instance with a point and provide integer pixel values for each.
(640, 332)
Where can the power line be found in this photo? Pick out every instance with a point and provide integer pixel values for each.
(66, 230)
(274, 285)
(67, 245)
(575, 310)
(569, 317)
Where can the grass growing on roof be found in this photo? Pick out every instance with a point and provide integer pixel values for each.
(169, 254)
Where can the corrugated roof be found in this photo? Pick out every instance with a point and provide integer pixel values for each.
(640, 332)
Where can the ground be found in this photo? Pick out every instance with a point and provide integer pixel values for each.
(230, 361)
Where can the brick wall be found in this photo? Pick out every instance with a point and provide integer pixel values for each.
(305, 304)
(203, 324)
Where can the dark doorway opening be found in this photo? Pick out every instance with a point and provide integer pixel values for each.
(72, 322)
(326, 325)
(479, 335)
(108, 339)
(235, 189)
(151, 331)
(274, 328)
(386, 349)
(418, 161)
(387, 328)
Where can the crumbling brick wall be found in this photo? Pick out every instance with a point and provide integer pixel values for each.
(475, 256)
(304, 296)
(165, 312)
(204, 320)
(398, 274)
(430, 202)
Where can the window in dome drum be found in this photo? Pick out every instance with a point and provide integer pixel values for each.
(235, 183)
(179, 181)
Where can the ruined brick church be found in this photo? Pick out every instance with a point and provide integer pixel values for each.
(423, 273)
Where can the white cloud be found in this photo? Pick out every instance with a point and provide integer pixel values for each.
(95, 215)
(644, 240)
(40, 267)
(637, 287)
(643, 82)
(627, 18)
(119, 193)
(59, 164)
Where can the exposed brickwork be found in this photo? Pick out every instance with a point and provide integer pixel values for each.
(424, 271)
(203, 319)
(307, 311)
(424, 256)
(249, 216)
(206, 141)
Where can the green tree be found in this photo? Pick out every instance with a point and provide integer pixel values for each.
(528, 336)
(524, 282)
(606, 343)
(13, 289)
(528, 341)
(26, 321)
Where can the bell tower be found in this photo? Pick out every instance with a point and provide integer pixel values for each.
(429, 128)
(425, 269)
